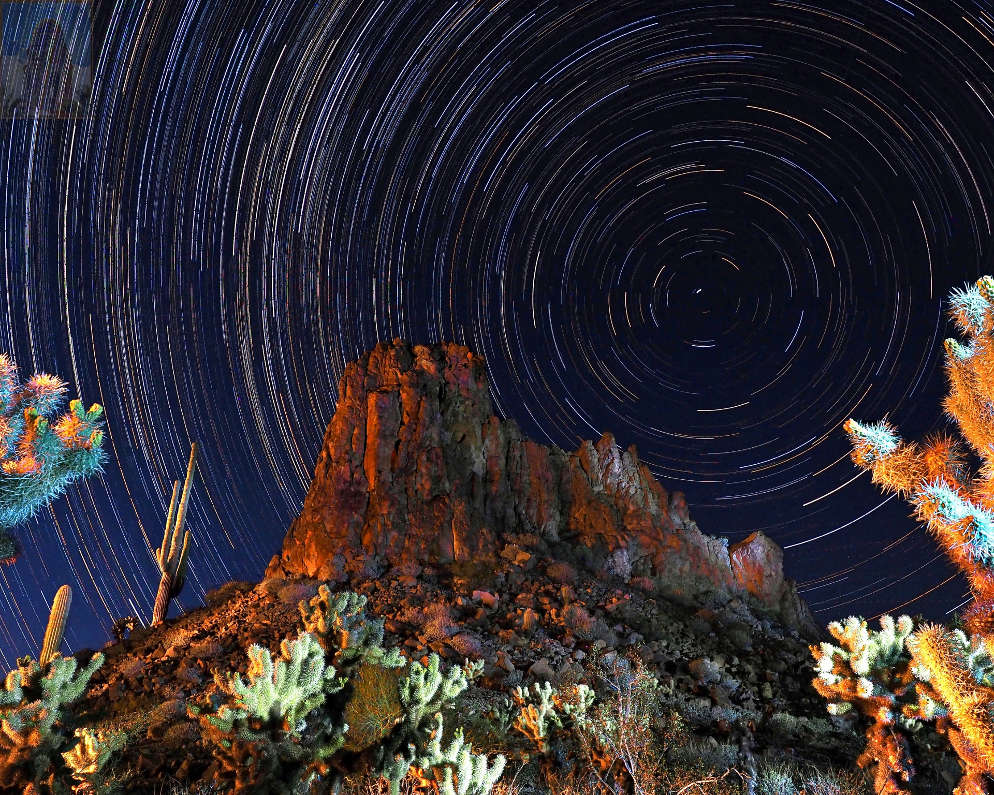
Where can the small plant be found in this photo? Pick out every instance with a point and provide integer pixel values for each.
(40, 454)
(617, 734)
(537, 714)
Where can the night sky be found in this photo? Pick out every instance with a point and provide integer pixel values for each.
(717, 230)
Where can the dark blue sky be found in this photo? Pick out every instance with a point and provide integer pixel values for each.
(715, 229)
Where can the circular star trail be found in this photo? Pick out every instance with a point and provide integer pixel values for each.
(717, 230)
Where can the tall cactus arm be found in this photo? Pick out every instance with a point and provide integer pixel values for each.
(56, 625)
(171, 556)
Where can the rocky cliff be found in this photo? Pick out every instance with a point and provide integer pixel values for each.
(416, 470)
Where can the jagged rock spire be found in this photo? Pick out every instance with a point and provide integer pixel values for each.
(416, 469)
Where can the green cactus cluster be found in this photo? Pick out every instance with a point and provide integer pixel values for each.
(542, 710)
(339, 623)
(268, 730)
(36, 729)
(88, 760)
(282, 727)
(425, 693)
(455, 769)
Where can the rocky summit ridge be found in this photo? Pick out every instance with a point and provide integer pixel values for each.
(416, 470)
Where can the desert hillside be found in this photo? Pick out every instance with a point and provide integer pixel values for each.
(558, 611)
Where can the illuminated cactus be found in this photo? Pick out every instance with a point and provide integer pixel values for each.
(40, 454)
(35, 728)
(536, 712)
(872, 671)
(959, 672)
(56, 625)
(171, 556)
(271, 731)
(957, 504)
(424, 693)
(88, 758)
(339, 623)
(455, 769)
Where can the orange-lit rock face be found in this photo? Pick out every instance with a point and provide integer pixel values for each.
(757, 563)
(415, 468)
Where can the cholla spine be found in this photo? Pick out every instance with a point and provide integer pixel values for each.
(56, 628)
(171, 555)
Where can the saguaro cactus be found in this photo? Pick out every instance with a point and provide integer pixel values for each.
(171, 556)
(56, 625)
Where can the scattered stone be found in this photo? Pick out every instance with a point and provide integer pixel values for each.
(705, 670)
(541, 670)
(486, 598)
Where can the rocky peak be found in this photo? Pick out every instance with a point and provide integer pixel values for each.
(415, 470)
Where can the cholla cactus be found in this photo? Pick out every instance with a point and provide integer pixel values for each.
(872, 671)
(536, 711)
(339, 623)
(426, 689)
(34, 726)
(40, 454)
(424, 693)
(959, 672)
(957, 504)
(89, 756)
(284, 693)
(270, 732)
(455, 769)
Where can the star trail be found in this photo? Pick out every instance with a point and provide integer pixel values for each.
(717, 230)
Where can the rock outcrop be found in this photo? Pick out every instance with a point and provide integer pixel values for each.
(416, 470)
